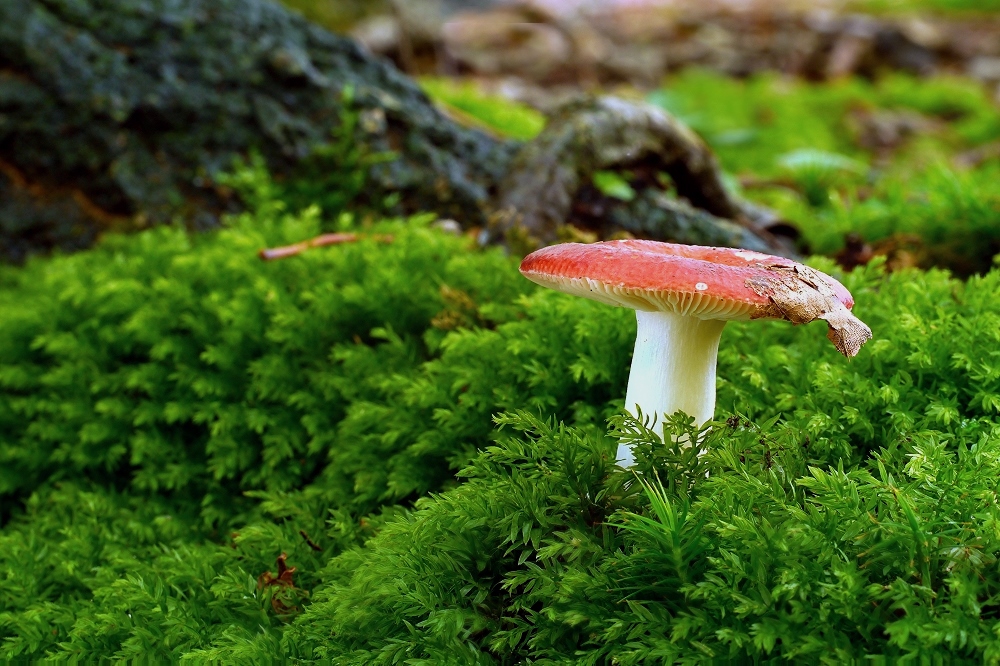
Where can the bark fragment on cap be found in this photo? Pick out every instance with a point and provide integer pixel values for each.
(801, 294)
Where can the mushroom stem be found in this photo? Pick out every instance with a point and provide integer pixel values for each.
(673, 369)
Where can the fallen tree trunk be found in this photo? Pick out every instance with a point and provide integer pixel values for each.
(117, 115)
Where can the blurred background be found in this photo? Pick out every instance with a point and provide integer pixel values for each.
(863, 128)
(870, 126)
(638, 41)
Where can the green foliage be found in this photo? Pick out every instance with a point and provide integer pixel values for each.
(954, 214)
(817, 172)
(338, 15)
(507, 118)
(805, 149)
(422, 436)
(332, 178)
(751, 123)
(162, 391)
(611, 184)
(858, 519)
(546, 555)
(850, 512)
(962, 7)
(169, 364)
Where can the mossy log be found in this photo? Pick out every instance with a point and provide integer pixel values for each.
(117, 114)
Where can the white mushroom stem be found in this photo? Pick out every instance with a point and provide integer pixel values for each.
(673, 369)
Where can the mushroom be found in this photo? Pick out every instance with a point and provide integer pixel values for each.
(683, 296)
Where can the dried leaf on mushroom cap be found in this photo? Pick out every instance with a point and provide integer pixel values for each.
(801, 294)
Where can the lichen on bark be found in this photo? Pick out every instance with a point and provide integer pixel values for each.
(137, 106)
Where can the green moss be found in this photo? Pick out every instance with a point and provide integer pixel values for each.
(758, 126)
(960, 7)
(543, 556)
(851, 516)
(169, 364)
(338, 15)
(751, 123)
(176, 414)
(507, 118)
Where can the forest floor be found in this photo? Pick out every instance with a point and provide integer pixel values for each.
(395, 449)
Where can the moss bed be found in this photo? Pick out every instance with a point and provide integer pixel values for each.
(400, 451)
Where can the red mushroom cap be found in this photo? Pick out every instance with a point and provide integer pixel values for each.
(702, 282)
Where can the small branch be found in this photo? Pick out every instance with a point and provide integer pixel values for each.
(270, 254)
(310, 542)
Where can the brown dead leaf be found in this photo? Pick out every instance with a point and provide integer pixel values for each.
(801, 294)
(283, 581)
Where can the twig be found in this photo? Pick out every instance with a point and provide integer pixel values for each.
(269, 254)
(310, 542)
